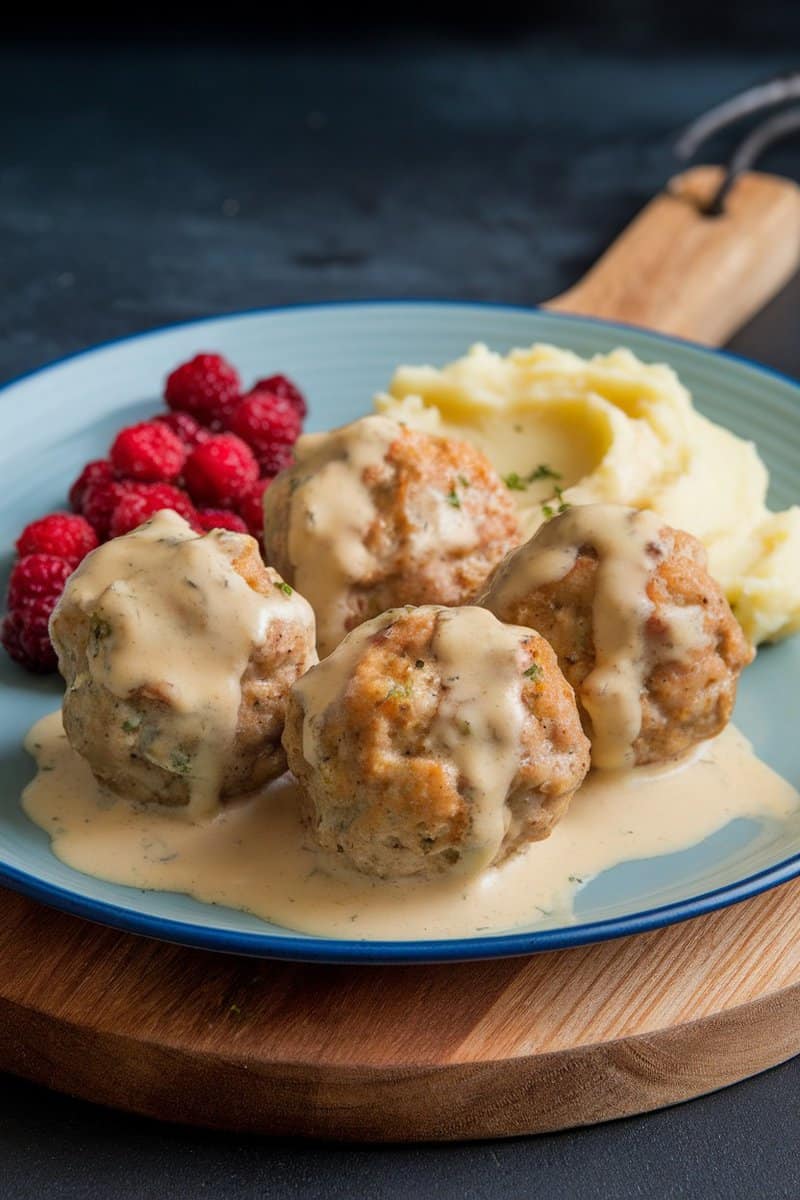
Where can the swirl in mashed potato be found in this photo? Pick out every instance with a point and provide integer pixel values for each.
(563, 429)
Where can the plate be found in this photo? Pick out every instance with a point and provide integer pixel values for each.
(57, 418)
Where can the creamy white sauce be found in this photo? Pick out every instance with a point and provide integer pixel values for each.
(179, 623)
(254, 856)
(478, 724)
(331, 512)
(629, 545)
(317, 691)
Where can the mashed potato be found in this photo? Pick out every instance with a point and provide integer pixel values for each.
(612, 429)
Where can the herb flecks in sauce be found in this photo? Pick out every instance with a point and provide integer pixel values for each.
(259, 860)
(180, 762)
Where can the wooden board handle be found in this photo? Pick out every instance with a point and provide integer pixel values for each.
(679, 271)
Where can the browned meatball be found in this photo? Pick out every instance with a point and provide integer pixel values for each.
(375, 515)
(642, 632)
(434, 739)
(178, 652)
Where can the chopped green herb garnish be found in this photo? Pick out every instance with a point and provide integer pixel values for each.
(284, 587)
(465, 728)
(180, 762)
(99, 628)
(129, 726)
(563, 504)
(453, 498)
(549, 510)
(514, 482)
(543, 471)
(462, 479)
(533, 671)
(398, 690)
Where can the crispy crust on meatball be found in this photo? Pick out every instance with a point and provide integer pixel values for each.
(419, 473)
(686, 698)
(112, 733)
(383, 794)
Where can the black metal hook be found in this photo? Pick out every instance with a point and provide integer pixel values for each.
(776, 91)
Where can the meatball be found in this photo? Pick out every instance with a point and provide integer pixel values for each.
(375, 515)
(178, 651)
(434, 740)
(642, 632)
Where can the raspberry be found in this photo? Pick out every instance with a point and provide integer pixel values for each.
(275, 460)
(187, 429)
(206, 388)
(219, 472)
(99, 501)
(281, 385)
(270, 425)
(149, 452)
(138, 501)
(99, 471)
(25, 635)
(220, 518)
(35, 578)
(251, 507)
(64, 534)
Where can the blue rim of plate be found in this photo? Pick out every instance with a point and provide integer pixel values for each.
(310, 948)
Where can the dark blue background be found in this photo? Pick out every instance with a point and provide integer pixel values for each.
(148, 178)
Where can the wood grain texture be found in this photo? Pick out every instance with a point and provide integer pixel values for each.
(680, 272)
(402, 1053)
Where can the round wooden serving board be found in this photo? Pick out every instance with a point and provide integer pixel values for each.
(464, 1050)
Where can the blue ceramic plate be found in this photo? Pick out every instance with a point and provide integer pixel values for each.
(65, 414)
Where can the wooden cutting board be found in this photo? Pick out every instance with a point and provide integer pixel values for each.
(463, 1050)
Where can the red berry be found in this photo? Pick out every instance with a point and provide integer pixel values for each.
(25, 635)
(206, 388)
(138, 501)
(99, 501)
(281, 385)
(270, 426)
(251, 507)
(187, 429)
(36, 577)
(220, 518)
(149, 452)
(271, 462)
(64, 534)
(99, 471)
(219, 472)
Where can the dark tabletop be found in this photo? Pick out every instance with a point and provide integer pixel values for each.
(151, 180)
